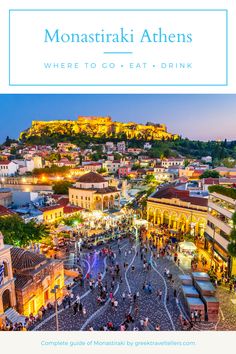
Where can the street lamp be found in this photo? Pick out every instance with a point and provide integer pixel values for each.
(54, 291)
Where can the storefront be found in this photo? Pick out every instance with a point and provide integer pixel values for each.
(187, 252)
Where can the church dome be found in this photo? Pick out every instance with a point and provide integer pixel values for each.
(91, 177)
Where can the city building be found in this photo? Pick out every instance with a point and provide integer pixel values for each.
(147, 146)
(110, 146)
(7, 281)
(92, 191)
(177, 209)
(172, 162)
(226, 172)
(35, 276)
(112, 166)
(5, 197)
(219, 225)
(52, 213)
(92, 167)
(7, 168)
(121, 147)
(207, 159)
(124, 171)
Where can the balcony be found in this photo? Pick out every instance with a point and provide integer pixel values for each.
(220, 209)
(218, 238)
(218, 223)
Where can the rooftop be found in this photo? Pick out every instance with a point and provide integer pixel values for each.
(184, 195)
(91, 177)
(5, 211)
(23, 259)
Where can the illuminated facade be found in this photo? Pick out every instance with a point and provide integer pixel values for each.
(99, 127)
(35, 277)
(52, 213)
(219, 227)
(177, 209)
(93, 192)
(7, 281)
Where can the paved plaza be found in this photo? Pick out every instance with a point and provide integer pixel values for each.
(160, 303)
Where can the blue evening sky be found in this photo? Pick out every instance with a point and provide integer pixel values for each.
(204, 117)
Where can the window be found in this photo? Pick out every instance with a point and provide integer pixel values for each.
(5, 269)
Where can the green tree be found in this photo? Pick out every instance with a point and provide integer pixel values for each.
(102, 170)
(210, 173)
(150, 179)
(18, 233)
(61, 187)
(73, 220)
(186, 163)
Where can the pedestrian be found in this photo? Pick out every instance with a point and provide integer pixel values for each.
(64, 302)
(115, 304)
(84, 312)
(123, 296)
(75, 307)
(136, 310)
(195, 314)
(146, 321)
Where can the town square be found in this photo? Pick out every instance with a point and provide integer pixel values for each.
(110, 225)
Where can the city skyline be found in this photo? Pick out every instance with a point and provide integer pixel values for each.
(197, 117)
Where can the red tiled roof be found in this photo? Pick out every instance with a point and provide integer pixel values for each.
(24, 259)
(4, 162)
(51, 207)
(91, 177)
(171, 193)
(68, 209)
(22, 280)
(211, 180)
(5, 211)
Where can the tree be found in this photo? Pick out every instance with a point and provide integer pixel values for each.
(102, 170)
(73, 220)
(149, 179)
(186, 163)
(210, 174)
(61, 187)
(18, 233)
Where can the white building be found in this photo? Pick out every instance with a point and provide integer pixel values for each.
(121, 147)
(147, 146)
(207, 159)
(172, 162)
(110, 146)
(8, 168)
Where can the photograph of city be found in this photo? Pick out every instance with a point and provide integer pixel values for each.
(117, 212)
